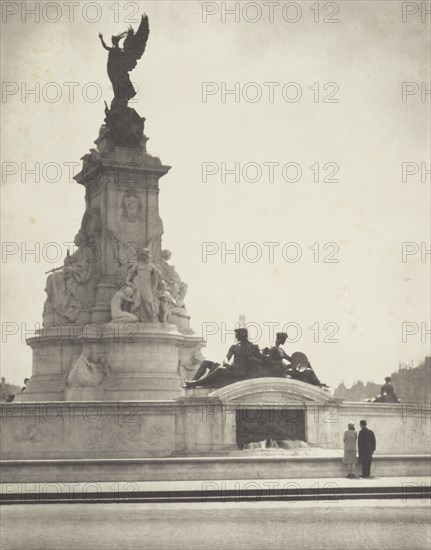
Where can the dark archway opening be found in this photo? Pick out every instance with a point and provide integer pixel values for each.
(258, 424)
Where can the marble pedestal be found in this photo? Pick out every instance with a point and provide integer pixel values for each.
(141, 362)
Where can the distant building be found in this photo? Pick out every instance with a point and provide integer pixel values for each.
(412, 384)
(358, 392)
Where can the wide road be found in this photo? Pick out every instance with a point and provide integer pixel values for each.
(355, 525)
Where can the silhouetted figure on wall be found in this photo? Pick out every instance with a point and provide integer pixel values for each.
(387, 391)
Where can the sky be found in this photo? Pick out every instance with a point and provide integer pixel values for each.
(306, 154)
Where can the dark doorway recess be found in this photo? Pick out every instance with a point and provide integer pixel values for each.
(256, 424)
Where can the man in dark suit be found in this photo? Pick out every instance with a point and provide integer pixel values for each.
(366, 448)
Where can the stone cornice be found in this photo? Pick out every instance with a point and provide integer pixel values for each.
(281, 390)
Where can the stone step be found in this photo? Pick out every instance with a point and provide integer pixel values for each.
(253, 490)
(201, 468)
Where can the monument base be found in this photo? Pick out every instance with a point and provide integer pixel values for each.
(108, 362)
(201, 437)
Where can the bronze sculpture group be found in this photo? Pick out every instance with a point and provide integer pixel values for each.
(245, 360)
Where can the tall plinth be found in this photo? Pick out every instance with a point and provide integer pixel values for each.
(115, 323)
(122, 191)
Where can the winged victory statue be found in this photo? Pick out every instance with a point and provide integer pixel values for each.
(123, 123)
(122, 60)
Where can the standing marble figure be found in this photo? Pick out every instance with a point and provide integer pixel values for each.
(143, 277)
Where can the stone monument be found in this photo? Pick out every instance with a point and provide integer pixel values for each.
(115, 326)
(120, 390)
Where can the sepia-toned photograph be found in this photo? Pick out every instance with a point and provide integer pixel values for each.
(215, 275)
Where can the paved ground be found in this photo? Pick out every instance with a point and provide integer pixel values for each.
(352, 525)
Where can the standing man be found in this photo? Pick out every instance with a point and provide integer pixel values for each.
(366, 448)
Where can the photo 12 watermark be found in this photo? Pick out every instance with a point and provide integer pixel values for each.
(270, 12)
(415, 91)
(270, 172)
(270, 92)
(417, 330)
(271, 490)
(270, 252)
(326, 332)
(415, 11)
(421, 250)
(418, 171)
(61, 93)
(90, 492)
(69, 12)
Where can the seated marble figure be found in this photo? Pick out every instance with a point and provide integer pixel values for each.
(120, 303)
(244, 360)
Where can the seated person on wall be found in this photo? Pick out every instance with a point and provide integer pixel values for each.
(387, 393)
(247, 361)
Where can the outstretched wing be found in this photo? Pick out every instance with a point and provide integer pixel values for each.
(134, 43)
